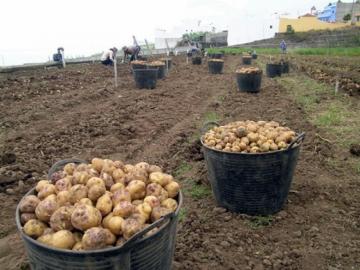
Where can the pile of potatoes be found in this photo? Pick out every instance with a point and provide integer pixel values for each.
(97, 205)
(138, 62)
(156, 63)
(215, 60)
(249, 70)
(249, 137)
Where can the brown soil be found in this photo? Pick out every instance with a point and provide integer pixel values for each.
(48, 115)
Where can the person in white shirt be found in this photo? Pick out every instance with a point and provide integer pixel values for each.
(108, 57)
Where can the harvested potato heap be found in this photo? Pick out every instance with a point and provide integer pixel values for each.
(249, 70)
(156, 63)
(138, 62)
(97, 205)
(215, 60)
(246, 56)
(249, 137)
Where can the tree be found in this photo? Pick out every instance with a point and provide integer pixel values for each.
(347, 17)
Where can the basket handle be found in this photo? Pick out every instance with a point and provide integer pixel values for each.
(298, 140)
(205, 127)
(133, 239)
(63, 162)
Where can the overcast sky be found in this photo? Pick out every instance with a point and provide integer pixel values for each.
(31, 30)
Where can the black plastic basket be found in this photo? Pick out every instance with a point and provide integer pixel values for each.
(254, 56)
(253, 184)
(169, 62)
(138, 66)
(160, 70)
(285, 67)
(196, 60)
(216, 55)
(215, 67)
(246, 60)
(145, 78)
(140, 252)
(273, 70)
(249, 82)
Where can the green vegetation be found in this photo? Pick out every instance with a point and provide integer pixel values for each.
(182, 214)
(183, 168)
(211, 117)
(196, 191)
(342, 51)
(260, 221)
(194, 36)
(334, 114)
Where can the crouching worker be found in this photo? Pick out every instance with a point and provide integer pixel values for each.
(133, 51)
(108, 57)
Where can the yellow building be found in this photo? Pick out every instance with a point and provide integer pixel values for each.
(309, 22)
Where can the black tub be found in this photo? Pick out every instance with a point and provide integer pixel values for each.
(140, 252)
(246, 60)
(254, 56)
(249, 82)
(196, 60)
(145, 78)
(216, 55)
(285, 67)
(216, 67)
(253, 184)
(160, 70)
(169, 62)
(138, 66)
(273, 70)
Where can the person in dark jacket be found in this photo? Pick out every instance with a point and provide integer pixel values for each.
(133, 51)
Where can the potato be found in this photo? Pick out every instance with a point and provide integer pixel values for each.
(94, 181)
(144, 210)
(137, 174)
(123, 209)
(96, 191)
(130, 227)
(105, 221)
(154, 168)
(108, 180)
(82, 167)
(46, 190)
(117, 187)
(282, 145)
(160, 178)
(46, 239)
(137, 189)
(120, 241)
(121, 195)
(118, 176)
(69, 168)
(34, 228)
(61, 219)
(159, 212)
(265, 147)
(85, 216)
(170, 204)
(118, 164)
(28, 204)
(86, 201)
(173, 189)
(104, 204)
(153, 189)
(63, 239)
(108, 167)
(142, 165)
(78, 236)
(48, 231)
(45, 209)
(128, 168)
(152, 201)
(110, 237)
(25, 217)
(63, 184)
(80, 177)
(114, 224)
(163, 195)
(78, 247)
(41, 184)
(94, 238)
(78, 192)
(97, 164)
(63, 198)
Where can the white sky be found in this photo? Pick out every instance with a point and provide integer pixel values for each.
(31, 30)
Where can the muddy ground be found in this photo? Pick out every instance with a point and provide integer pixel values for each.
(48, 115)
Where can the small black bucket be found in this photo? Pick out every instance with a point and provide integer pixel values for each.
(254, 56)
(140, 252)
(273, 70)
(145, 78)
(253, 184)
(246, 60)
(196, 60)
(249, 82)
(285, 67)
(216, 67)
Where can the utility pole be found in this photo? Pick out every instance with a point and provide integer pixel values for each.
(352, 13)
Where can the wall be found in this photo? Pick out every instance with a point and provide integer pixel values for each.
(345, 8)
(304, 24)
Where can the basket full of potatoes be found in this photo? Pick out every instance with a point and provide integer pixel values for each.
(98, 206)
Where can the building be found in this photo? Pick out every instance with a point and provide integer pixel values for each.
(335, 12)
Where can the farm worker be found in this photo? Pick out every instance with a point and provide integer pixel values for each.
(283, 46)
(133, 51)
(108, 57)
